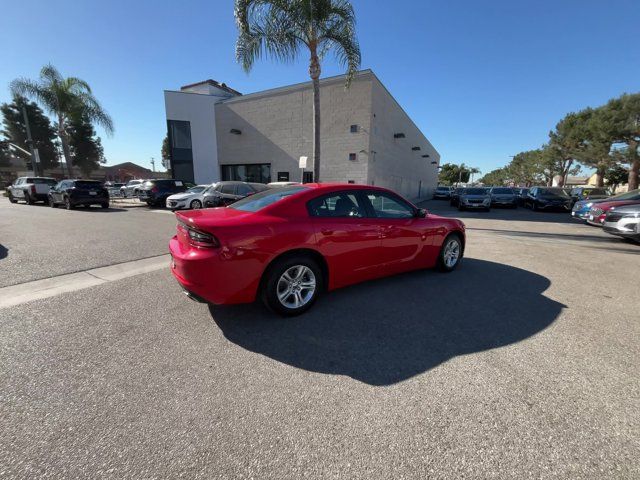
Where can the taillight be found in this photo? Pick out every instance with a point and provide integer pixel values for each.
(33, 189)
(154, 190)
(197, 238)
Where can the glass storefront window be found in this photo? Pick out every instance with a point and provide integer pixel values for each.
(250, 172)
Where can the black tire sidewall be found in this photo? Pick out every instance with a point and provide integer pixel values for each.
(270, 283)
(441, 265)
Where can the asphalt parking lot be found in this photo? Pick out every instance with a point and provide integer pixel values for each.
(521, 364)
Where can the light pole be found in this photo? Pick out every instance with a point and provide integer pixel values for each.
(153, 165)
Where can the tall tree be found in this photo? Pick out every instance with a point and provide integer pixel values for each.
(624, 114)
(84, 145)
(451, 173)
(42, 133)
(499, 176)
(65, 98)
(165, 154)
(282, 28)
(615, 176)
(566, 142)
(598, 139)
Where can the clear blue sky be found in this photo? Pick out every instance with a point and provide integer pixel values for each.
(483, 80)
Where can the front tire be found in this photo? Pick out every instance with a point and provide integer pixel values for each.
(292, 285)
(196, 205)
(104, 205)
(460, 207)
(28, 198)
(450, 253)
(52, 204)
(11, 199)
(67, 203)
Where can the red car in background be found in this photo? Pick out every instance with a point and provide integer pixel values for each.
(286, 245)
(599, 210)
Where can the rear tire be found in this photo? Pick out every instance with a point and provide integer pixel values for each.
(104, 205)
(292, 285)
(450, 253)
(52, 204)
(460, 207)
(195, 205)
(67, 203)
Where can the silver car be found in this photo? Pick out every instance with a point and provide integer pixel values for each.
(503, 197)
(191, 199)
(131, 188)
(624, 222)
(474, 198)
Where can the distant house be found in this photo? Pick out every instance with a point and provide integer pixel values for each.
(123, 172)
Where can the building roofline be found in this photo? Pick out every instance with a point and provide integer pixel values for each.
(296, 86)
(213, 83)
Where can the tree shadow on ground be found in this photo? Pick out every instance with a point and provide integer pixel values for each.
(387, 331)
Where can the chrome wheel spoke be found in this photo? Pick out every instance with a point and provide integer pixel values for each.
(296, 286)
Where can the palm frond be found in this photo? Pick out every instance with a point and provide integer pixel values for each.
(50, 74)
(87, 105)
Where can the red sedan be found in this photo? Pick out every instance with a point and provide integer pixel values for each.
(288, 244)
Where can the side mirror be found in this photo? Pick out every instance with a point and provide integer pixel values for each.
(421, 213)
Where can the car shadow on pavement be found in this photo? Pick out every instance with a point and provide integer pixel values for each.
(4, 251)
(389, 330)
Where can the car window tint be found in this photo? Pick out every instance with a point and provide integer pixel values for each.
(244, 190)
(340, 205)
(387, 206)
(228, 189)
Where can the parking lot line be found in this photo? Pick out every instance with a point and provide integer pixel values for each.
(50, 287)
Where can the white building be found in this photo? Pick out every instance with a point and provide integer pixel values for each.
(215, 133)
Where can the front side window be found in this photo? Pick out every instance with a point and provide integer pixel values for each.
(336, 205)
(389, 206)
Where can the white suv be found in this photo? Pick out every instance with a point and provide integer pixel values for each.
(31, 189)
(131, 188)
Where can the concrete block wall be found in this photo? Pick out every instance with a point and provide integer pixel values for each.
(277, 128)
(395, 165)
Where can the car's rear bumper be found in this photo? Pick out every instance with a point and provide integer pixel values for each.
(214, 275)
(88, 200)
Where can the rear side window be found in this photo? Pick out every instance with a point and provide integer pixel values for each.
(86, 184)
(228, 189)
(244, 190)
(337, 205)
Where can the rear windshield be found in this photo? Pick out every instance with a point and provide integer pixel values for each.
(256, 202)
(632, 195)
(553, 192)
(501, 190)
(87, 184)
(595, 191)
(475, 191)
(443, 189)
(43, 181)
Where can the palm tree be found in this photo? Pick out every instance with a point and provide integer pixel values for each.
(473, 171)
(65, 98)
(281, 28)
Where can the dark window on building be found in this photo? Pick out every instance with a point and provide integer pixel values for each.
(283, 176)
(352, 157)
(180, 150)
(354, 128)
(253, 172)
(307, 177)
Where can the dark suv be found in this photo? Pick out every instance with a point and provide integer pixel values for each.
(73, 193)
(156, 191)
(225, 193)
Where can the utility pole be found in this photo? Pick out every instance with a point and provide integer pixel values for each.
(35, 157)
(153, 165)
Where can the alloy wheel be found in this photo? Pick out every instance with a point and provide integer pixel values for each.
(451, 253)
(296, 286)
(195, 205)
